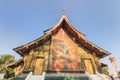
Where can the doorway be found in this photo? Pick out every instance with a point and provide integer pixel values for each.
(89, 66)
(39, 66)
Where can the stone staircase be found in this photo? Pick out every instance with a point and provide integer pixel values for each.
(35, 77)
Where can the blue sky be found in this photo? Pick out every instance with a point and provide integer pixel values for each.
(22, 21)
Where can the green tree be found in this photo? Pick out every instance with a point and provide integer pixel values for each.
(9, 73)
(4, 60)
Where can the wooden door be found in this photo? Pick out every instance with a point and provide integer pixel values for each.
(39, 66)
(89, 66)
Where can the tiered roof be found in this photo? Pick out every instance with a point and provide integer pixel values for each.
(65, 24)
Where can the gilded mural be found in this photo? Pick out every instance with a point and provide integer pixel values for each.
(64, 56)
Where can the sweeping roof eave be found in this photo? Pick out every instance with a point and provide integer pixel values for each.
(93, 48)
(32, 44)
(101, 50)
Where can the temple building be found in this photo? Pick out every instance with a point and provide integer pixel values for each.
(61, 53)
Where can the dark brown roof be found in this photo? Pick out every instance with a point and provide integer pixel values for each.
(64, 23)
(13, 64)
(103, 65)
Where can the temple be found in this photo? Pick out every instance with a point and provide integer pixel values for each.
(61, 52)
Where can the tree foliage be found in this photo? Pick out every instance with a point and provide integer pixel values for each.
(9, 73)
(4, 60)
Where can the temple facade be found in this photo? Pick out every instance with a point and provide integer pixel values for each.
(62, 50)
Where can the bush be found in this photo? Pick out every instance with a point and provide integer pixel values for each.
(9, 73)
(105, 71)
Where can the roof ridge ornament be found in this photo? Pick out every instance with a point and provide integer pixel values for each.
(63, 12)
